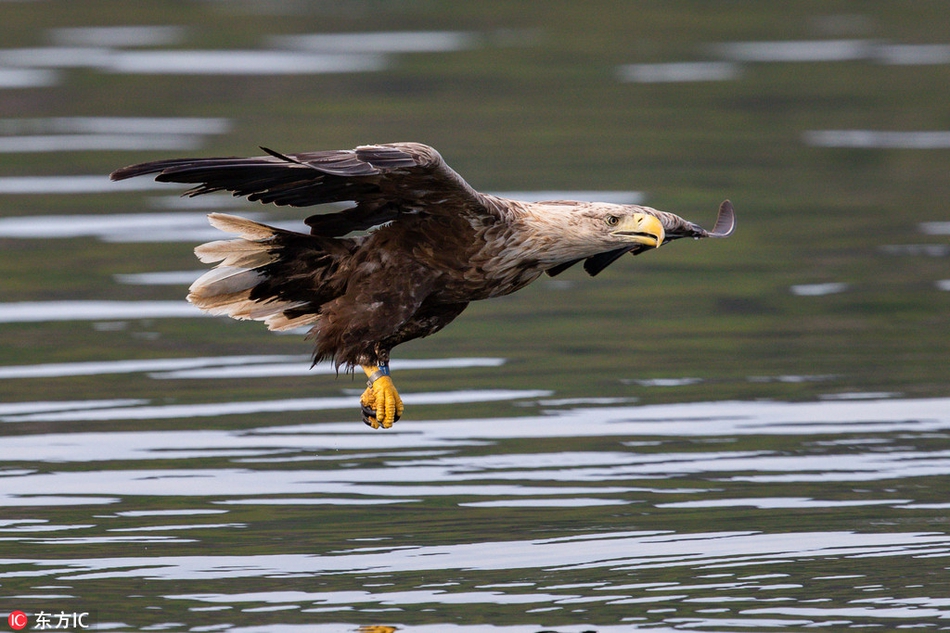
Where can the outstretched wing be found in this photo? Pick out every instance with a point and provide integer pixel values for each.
(383, 181)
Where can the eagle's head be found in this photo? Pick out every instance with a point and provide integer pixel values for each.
(637, 225)
(599, 233)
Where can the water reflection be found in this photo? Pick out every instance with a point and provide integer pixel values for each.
(54, 57)
(835, 51)
(798, 51)
(442, 627)
(94, 368)
(380, 42)
(105, 49)
(786, 502)
(118, 36)
(244, 366)
(733, 54)
(27, 78)
(870, 139)
(118, 227)
(214, 409)
(732, 466)
(539, 511)
(300, 367)
(245, 62)
(914, 54)
(679, 71)
(167, 278)
(71, 185)
(867, 459)
(58, 134)
(89, 142)
(614, 551)
(40, 311)
(935, 228)
(818, 290)
(19, 408)
(239, 62)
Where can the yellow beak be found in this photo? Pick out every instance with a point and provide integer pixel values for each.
(641, 228)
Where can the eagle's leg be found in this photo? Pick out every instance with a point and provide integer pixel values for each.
(380, 402)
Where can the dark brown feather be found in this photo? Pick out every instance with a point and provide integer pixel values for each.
(554, 271)
(594, 265)
(403, 177)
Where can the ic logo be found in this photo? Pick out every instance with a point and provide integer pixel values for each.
(18, 620)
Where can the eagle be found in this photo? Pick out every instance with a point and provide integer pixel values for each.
(412, 246)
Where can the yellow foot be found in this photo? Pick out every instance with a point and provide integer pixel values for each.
(380, 402)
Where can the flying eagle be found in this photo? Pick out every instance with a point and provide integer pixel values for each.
(426, 245)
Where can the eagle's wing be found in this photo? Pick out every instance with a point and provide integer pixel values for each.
(594, 264)
(383, 181)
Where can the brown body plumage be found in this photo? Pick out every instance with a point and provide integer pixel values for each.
(435, 245)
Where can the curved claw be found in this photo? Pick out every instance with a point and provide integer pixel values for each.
(380, 404)
(369, 416)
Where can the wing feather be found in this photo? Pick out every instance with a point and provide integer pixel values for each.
(594, 265)
(554, 271)
(383, 180)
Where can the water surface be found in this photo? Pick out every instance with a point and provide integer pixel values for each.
(762, 515)
(736, 435)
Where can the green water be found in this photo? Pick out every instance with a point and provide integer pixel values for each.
(532, 103)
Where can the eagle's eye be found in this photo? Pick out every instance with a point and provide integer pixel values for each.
(612, 220)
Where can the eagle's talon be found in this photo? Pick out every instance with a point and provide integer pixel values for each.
(380, 404)
(368, 408)
(369, 416)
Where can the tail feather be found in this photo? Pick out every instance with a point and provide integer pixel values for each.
(238, 253)
(224, 280)
(258, 276)
(229, 304)
(247, 229)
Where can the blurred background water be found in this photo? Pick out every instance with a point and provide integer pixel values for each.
(745, 434)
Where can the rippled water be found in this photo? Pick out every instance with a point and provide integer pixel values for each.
(707, 516)
(168, 472)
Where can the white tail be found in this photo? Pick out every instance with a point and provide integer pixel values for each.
(226, 289)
